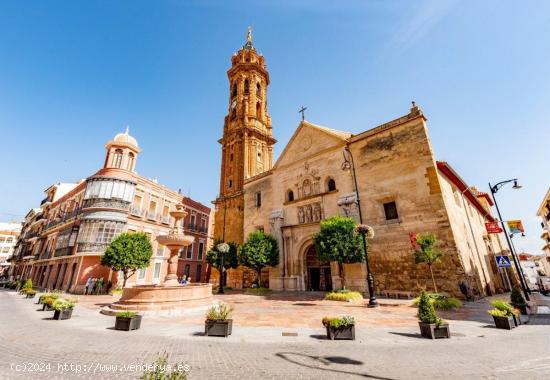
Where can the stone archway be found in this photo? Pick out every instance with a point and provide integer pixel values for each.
(318, 274)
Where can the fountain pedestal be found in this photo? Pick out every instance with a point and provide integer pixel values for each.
(170, 298)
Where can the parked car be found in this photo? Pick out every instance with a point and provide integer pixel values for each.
(544, 284)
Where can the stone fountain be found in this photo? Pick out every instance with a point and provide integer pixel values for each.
(171, 297)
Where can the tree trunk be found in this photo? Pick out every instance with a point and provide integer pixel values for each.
(260, 278)
(342, 275)
(125, 277)
(433, 279)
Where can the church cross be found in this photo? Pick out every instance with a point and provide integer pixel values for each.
(303, 111)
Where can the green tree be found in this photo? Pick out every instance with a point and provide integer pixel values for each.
(127, 253)
(427, 253)
(338, 240)
(260, 250)
(230, 259)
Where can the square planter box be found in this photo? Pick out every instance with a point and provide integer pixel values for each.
(63, 314)
(342, 333)
(432, 331)
(517, 320)
(46, 307)
(506, 323)
(128, 323)
(30, 295)
(218, 328)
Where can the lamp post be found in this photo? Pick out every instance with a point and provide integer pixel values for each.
(349, 166)
(494, 190)
(223, 248)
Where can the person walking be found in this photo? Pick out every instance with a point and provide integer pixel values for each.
(94, 283)
(88, 286)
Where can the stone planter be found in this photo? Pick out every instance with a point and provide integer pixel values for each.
(506, 323)
(47, 307)
(522, 308)
(341, 333)
(128, 323)
(63, 314)
(218, 328)
(433, 331)
(30, 295)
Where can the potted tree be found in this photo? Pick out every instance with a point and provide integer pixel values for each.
(431, 326)
(340, 328)
(517, 301)
(127, 253)
(127, 320)
(259, 251)
(426, 253)
(338, 240)
(217, 321)
(63, 308)
(504, 315)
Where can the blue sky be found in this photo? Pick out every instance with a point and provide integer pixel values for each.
(74, 73)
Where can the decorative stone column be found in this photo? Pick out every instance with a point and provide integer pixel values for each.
(175, 240)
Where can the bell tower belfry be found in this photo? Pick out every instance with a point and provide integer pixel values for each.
(247, 142)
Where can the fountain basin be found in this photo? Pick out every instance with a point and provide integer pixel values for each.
(163, 300)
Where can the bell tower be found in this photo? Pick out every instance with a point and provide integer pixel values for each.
(247, 142)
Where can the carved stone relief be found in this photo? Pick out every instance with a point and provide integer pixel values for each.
(310, 213)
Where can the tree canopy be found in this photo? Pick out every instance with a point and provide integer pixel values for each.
(230, 259)
(127, 253)
(260, 250)
(337, 240)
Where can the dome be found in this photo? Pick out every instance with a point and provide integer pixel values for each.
(125, 138)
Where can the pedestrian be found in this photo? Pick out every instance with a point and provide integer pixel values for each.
(99, 286)
(88, 286)
(94, 282)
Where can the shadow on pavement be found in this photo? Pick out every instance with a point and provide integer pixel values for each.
(407, 335)
(318, 336)
(321, 363)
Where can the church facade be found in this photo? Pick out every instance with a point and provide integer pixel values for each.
(403, 190)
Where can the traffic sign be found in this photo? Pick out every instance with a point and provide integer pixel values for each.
(503, 261)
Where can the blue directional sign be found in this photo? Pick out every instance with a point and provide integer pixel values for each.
(503, 261)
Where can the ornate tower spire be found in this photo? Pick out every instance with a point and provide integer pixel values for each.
(247, 142)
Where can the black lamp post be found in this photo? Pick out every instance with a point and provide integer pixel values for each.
(222, 248)
(349, 165)
(494, 190)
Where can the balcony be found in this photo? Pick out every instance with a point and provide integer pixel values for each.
(137, 211)
(66, 251)
(66, 218)
(92, 247)
(151, 215)
(116, 204)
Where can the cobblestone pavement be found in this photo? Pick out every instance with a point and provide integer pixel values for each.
(476, 350)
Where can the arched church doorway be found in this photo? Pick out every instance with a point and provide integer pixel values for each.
(318, 273)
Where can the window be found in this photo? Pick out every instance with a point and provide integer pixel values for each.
(331, 185)
(390, 209)
(131, 160)
(246, 87)
(231, 157)
(99, 231)
(141, 273)
(258, 89)
(117, 158)
(258, 109)
(201, 248)
(190, 252)
(290, 195)
(187, 270)
(234, 90)
(258, 199)
(230, 183)
(198, 274)
(156, 273)
(107, 189)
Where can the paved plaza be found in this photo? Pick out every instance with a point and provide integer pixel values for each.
(388, 345)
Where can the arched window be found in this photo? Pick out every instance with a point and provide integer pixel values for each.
(131, 160)
(234, 90)
(290, 195)
(117, 159)
(331, 185)
(258, 89)
(246, 87)
(258, 109)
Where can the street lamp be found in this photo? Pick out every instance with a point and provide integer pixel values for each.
(349, 166)
(494, 190)
(223, 248)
